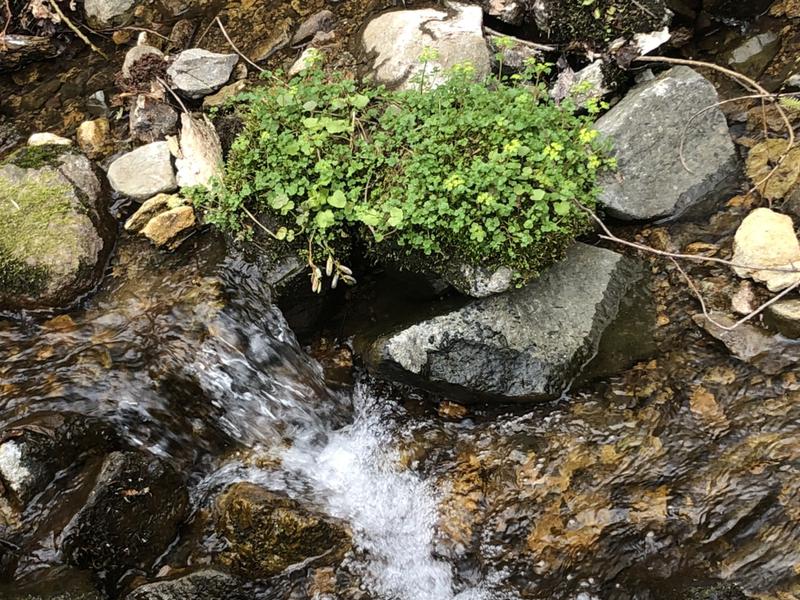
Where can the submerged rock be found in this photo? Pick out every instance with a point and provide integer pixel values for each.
(131, 516)
(55, 230)
(767, 239)
(527, 344)
(770, 354)
(268, 533)
(164, 219)
(398, 39)
(196, 73)
(207, 584)
(144, 172)
(36, 449)
(151, 120)
(646, 129)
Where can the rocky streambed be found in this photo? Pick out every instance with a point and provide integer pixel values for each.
(181, 418)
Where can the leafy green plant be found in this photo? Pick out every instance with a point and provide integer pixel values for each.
(484, 172)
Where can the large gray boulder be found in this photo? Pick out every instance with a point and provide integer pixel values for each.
(396, 41)
(144, 172)
(196, 72)
(646, 128)
(526, 344)
(55, 229)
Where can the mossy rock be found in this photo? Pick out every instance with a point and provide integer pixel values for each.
(598, 22)
(55, 235)
(268, 533)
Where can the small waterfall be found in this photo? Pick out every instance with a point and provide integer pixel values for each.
(272, 395)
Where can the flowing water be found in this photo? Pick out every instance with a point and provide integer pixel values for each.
(685, 469)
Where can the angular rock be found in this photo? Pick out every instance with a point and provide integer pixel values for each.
(55, 230)
(581, 86)
(200, 158)
(527, 344)
(151, 120)
(36, 449)
(478, 282)
(207, 584)
(267, 533)
(646, 128)
(94, 137)
(399, 38)
(752, 56)
(106, 13)
(136, 54)
(168, 227)
(48, 139)
(784, 317)
(150, 208)
(508, 11)
(767, 239)
(144, 172)
(196, 73)
(320, 21)
(131, 516)
(229, 91)
(770, 354)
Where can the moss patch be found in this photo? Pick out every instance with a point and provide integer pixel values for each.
(36, 157)
(32, 215)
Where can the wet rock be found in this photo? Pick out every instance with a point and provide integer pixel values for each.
(164, 219)
(94, 138)
(646, 129)
(144, 172)
(196, 73)
(229, 91)
(752, 56)
(720, 591)
(48, 139)
(399, 38)
(770, 354)
(267, 533)
(784, 317)
(200, 158)
(525, 344)
(151, 120)
(55, 228)
(57, 583)
(508, 11)
(34, 450)
(320, 21)
(131, 516)
(136, 54)
(106, 13)
(207, 584)
(767, 239)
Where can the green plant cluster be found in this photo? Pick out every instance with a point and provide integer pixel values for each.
(486, 172)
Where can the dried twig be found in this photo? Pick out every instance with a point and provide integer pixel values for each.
(674, 256)
(75, 30)
(235, 49)
(145, 29)
(746, 82)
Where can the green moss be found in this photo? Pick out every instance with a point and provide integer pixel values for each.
(32, 215)
(36, 157)
(597, 22)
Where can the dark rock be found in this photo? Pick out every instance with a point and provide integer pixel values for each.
(784, 317)
(320, 21)
(267, 533)
(151, 120)
(770, 354)
(646, 129)
(34, 450)
(736, 9)
(201, 585)
(720, 591)
(55, 227)
(131, 516)
(508, 11)
(527, 344)
(58, 583)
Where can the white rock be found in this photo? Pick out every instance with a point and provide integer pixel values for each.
(14, 473)
(200, 157)
(144, 172)
(399, 38)
(48, 139)
(767, 239)
(306, 60)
